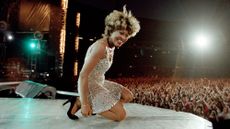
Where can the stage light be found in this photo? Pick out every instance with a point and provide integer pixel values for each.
(202, 41)
(32, 45)
(10, 37)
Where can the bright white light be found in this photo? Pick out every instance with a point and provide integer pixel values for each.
(202, 41)
(10, 37)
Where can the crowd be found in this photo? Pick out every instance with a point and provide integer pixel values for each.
(208, 98)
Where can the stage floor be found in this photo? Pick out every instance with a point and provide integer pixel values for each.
(26, 113)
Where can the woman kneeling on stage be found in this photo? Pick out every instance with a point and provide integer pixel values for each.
(97, 95)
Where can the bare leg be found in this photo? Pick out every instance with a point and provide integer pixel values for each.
(77, 106)
(126, 95)
(116, 113)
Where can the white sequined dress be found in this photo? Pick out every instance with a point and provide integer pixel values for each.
(104, 94)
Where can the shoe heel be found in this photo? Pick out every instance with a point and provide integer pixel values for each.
(72, 101)
(66, 102)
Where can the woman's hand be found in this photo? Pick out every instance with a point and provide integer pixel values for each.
(86, 110)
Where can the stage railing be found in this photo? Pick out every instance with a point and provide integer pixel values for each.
(30, 89)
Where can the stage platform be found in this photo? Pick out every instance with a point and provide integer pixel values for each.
(27, 113)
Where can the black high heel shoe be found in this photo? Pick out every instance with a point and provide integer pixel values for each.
(72, 101)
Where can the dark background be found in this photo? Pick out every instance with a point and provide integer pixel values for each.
(161, 48)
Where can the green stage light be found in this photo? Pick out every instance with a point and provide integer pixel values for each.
(32, 45)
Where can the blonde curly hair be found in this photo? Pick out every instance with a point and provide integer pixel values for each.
(118, 20)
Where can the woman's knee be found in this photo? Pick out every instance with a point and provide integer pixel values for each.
(119, 111)
(120, 116)
(127, 95)
(129, 98)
